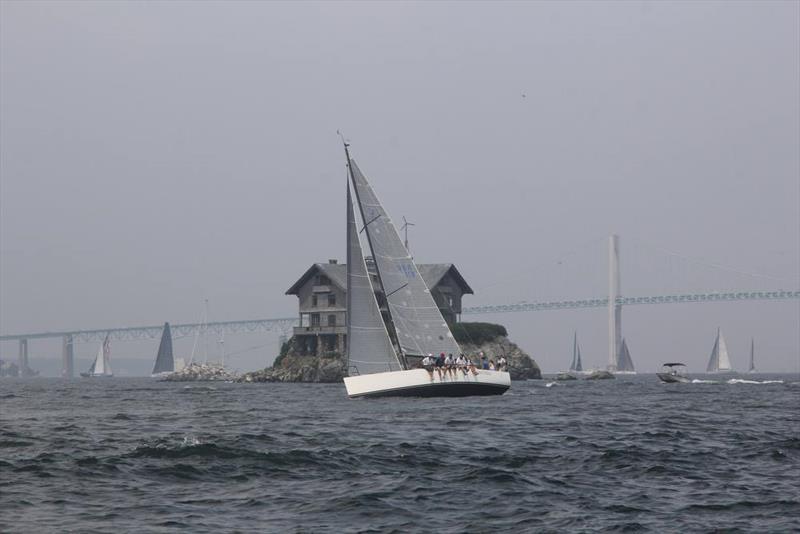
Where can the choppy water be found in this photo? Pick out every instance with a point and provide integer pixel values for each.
(625, 455)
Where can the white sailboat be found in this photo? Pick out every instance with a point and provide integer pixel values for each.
(719, 362)
(576, 366)
(384, 345)
(624, 360)
(101, 367)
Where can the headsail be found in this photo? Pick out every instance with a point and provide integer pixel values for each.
(576, 355)
(416, 318)
(369, 348)
(165, 363)
(102, 362)
(624, 361)
(719, 360)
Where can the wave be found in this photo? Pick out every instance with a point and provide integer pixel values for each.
(743, 381)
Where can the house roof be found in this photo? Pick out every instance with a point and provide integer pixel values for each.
(432, 273)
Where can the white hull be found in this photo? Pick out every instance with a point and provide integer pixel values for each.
(420, 383)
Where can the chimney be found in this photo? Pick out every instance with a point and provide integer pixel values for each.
(333, 262)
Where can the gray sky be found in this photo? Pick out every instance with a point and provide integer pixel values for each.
(156, 154)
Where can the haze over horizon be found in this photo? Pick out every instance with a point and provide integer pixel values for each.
(154, 155)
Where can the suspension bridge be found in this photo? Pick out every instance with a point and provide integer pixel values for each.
(614, 302)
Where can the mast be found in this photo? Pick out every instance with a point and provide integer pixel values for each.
(349, 297)
(401, 359)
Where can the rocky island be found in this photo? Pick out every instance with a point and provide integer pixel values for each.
(491, 339)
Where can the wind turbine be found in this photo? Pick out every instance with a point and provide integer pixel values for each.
(404, 228)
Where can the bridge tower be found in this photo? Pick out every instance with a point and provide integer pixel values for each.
(23, 357)
(614, 309)
(67, 358)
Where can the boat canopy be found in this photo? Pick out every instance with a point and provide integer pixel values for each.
(674, 364)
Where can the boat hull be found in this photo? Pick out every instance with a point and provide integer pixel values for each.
(673, 379)
(419, 383)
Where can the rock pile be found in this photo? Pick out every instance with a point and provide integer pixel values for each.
(520, 365)
(294, 367)
(298, 368)
(201, 372)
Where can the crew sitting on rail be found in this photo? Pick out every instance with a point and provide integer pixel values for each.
(440, 365)
(428, 363)
(462, 364)
(502, 364)
(449, 364)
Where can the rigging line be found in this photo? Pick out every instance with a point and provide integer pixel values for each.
(372, 221)
(709, 263)
(396, 290)
(549, 263)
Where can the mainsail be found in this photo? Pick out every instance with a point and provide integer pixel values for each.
(752, 368)
(369, 348)
(719, 360)
(624, 361)
(165, 363)
(576, 355)
(102, 362)
(416, 318)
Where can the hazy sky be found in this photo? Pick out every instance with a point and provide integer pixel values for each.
(154, 154)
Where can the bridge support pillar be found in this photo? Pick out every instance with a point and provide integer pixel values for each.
(23, 357)
(614, 309)
(67, 358)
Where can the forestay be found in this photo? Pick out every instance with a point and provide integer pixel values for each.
(369, 348)
(419, 324)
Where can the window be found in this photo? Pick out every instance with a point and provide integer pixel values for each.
(331, 299)
(314, 319)
(314, 301)
(323, 280)
(331, 320)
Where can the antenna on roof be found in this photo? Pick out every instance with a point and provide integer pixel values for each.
(404, 228)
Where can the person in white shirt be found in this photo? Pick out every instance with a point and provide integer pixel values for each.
(449, 363)
(427, 364)
(502, 363)
(461, 363)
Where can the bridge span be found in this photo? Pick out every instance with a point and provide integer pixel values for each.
(284, 324)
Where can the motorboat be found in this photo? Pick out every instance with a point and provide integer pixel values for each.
(674, 373)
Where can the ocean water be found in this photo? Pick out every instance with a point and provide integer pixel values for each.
(632, 454)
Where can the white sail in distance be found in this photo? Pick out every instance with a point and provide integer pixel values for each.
(416, 318)
(102, 362)
(719, 360)
(369, 348)
(624, 361)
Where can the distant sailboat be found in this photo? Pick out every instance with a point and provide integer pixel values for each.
(101, 367)
(719, 362)
(576, 365)
(624, 360)
(752, 367)
(165, 363)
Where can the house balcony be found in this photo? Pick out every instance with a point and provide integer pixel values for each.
(321, 289)
(319, 330)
